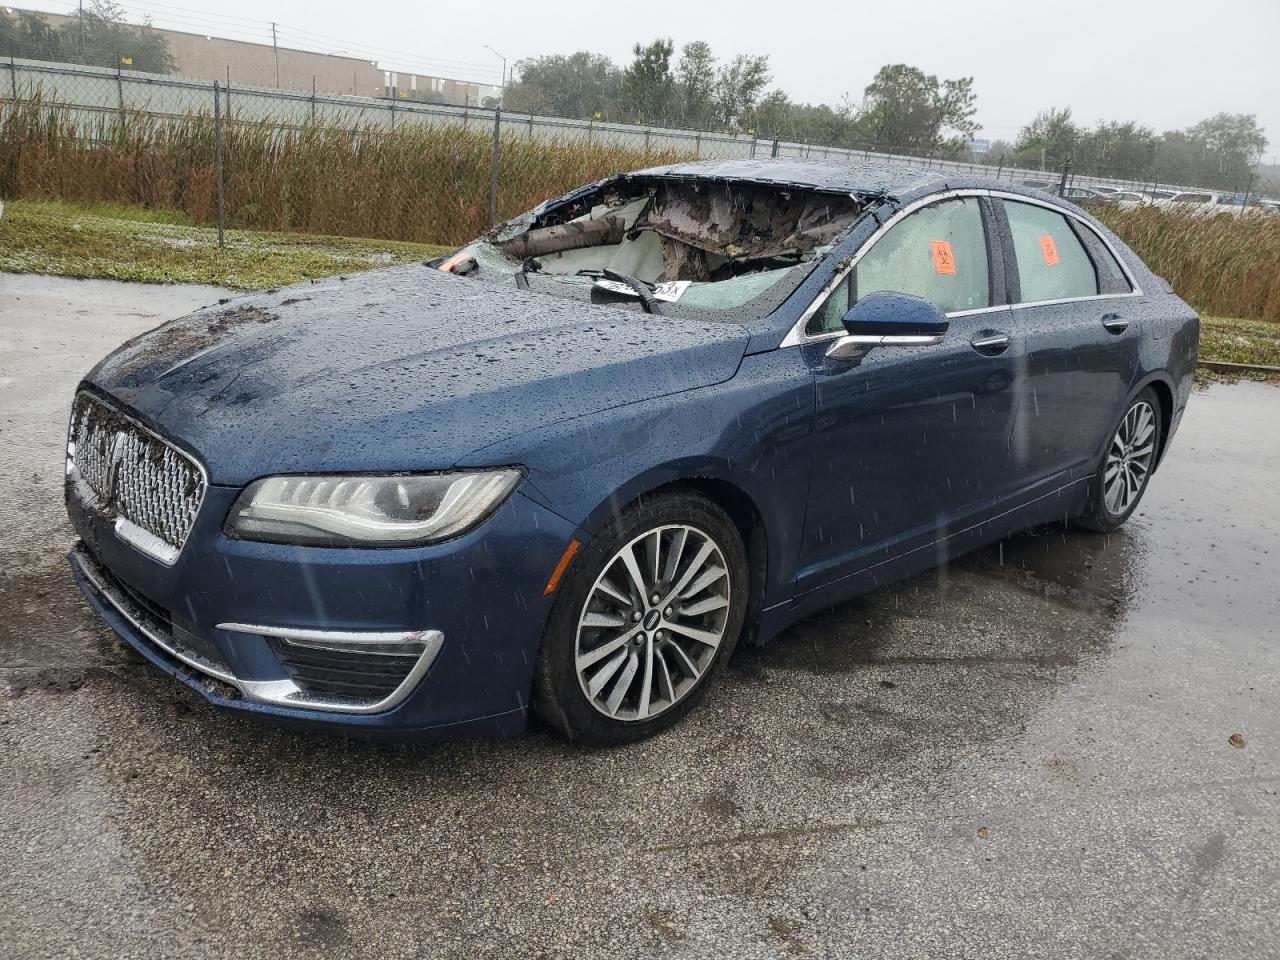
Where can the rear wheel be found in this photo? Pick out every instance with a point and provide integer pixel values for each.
(1126, 466)
(643, 622)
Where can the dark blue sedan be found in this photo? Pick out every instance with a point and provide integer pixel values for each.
(570, 466)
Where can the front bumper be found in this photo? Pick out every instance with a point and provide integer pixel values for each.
(473, 607)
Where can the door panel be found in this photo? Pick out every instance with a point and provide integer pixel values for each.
(1074, 376)
(1081, 354)
(909, 443)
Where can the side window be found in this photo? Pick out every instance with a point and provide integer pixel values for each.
(1111, 278)
(938, 253)
(1052, 262)
(830, 319)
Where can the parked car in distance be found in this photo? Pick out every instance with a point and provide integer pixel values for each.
(568, 467)
(1129, 199)
(1085, 196)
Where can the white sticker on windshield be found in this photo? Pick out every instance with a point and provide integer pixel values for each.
(668, 292)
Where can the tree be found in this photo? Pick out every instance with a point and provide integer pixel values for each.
(1115, 149)
(28, 35)
(696, 82)
(647, 84)
(1048, 140)
(578, 85)
(738, 87)
(909, 111)
(99, 36)
(1234, 144)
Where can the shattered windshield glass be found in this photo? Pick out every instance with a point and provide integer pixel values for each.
(691, 243)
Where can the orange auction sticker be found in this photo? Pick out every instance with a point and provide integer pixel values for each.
(1049, 250)
(943, 261)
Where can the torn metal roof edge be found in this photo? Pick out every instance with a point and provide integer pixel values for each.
(862, 179)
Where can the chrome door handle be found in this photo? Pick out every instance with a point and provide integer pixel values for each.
(991, 345)
(1114, 323)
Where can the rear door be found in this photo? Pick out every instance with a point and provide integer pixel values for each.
(1073, 306)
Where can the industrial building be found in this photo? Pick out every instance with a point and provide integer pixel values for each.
(239, 62)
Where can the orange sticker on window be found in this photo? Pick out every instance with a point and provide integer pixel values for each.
(1048, 250)
(943, 261)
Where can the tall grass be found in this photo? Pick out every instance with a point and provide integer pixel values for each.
(422, 183)
(1223, 265)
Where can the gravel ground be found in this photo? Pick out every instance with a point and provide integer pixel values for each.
(1025, 754)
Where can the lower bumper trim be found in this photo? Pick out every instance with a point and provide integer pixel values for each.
(283, 692)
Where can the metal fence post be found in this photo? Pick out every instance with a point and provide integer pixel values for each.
(313, 98)
(228, 89)
(753, 146)
(13, 79)
(775, 147)
(697, 146)
(493, 168)
(647, 131)
(217, 159)
(119, 85)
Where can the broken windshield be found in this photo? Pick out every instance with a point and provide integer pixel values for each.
(694, 244)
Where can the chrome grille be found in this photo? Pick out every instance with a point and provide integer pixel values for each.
(153, 489)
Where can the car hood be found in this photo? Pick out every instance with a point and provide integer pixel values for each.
(400, 369)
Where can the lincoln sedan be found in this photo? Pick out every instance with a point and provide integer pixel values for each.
(565, 469)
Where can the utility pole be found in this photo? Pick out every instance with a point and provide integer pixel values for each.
(275, 50)
(504, 72)
(82, 31)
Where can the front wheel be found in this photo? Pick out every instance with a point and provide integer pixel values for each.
(644, 621)
(1125, 470)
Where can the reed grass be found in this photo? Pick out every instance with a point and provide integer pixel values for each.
(1222, 265)
(419, 183)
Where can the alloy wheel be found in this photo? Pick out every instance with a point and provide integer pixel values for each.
(1129, 459)
(652, 623)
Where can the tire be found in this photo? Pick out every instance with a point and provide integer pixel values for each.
(624, 641)
(1131, 451)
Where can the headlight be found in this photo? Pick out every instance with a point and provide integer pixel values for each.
(368, 511)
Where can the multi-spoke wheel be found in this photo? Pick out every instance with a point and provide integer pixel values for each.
(644, 621)
(1126, 465)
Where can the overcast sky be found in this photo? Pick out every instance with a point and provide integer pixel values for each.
(1165, 63)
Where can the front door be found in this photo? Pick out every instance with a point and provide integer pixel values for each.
(910, 442)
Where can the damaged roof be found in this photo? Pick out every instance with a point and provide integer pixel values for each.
(861, 178)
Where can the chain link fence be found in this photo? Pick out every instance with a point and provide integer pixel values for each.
(92, 96)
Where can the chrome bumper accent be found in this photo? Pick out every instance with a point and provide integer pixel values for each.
(287, 693)
(281, 692)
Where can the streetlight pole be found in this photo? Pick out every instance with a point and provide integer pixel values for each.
(504, 71)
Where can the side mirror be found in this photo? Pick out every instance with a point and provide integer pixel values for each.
(887, 319)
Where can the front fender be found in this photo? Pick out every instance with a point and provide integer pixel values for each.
(753, 432)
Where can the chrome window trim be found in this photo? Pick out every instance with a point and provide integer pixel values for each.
(796, 335)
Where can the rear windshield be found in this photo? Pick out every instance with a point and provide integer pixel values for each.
(724, 249)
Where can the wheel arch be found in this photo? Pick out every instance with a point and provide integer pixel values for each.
(1162, 386)
(708, 480)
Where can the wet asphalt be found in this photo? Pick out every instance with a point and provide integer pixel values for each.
(1024, 754)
